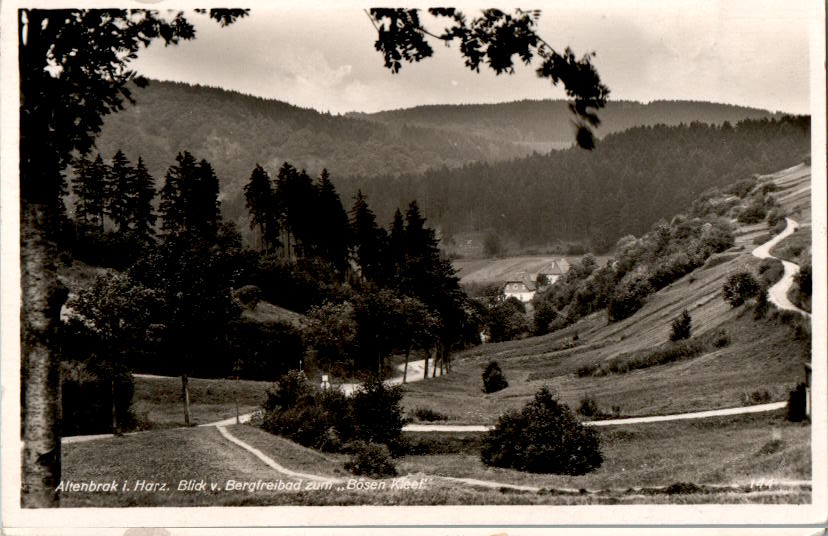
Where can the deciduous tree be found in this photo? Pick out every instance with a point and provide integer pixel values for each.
(74, 70)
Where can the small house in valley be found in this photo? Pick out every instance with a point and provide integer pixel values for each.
(522, 290)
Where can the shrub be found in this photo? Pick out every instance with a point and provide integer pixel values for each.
(507, 320)
(429, 415)
(543, 437)
(493, 378)
(756, 397)
(720, 339)
(544, 314)
(328, 419)
(86, 400)
(249, 296)
(741, 188)
(797, 400)
(770, 271)
(804, 280)
(589, 407)
(739, 287)
(681, 327)
(627, 299)
(760, 308)
(378, 416)
(370, 459)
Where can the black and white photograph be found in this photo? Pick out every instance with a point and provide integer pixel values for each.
(507, 263)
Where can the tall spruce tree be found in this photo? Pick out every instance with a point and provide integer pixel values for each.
(258, 194)
(332, 228)
(205, 208)
(396, 247)
(120, 184)
(173, 194)
(140, 204)
(432, 279)
(189, 199)
(90, 189)
(282, 205)
(368, 239)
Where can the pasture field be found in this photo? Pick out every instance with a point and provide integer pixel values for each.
(761, 455)
(763, 359)
(157, 400)
(497, 270)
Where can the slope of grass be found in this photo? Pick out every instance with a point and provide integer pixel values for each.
(722, 450)
(157, 402)
(762, 356)
(733, 450)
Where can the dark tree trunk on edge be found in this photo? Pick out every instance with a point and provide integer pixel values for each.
(42, 299)
(115, 428)
(185, 394)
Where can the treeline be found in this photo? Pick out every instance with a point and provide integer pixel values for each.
(173, 302)
(234, 131)
(537, 121)
(630, 180)
(640, 267)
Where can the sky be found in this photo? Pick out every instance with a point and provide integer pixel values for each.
(321, 55)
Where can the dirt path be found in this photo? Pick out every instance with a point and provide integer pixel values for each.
(778, 293)
(611, 422)
(489, 484)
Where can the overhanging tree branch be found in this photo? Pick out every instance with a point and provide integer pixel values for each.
(494, 39)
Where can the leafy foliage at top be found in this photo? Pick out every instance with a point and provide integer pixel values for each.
(494, 38)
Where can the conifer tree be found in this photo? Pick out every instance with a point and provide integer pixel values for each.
(396, 247)
(140, 204)
(332, 232)
(205, 208)
(120, 180)
(368, 239)
(90, 188)
(258, 194)
(172, 194)
(284, 209)
(189, 199)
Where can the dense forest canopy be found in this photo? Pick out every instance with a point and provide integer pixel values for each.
(542, 124)
(632, 179)
(235, 131)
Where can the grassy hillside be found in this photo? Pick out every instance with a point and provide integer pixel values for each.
(763, 360)
(717, 452)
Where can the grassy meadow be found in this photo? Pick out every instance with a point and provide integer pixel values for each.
(640, 466)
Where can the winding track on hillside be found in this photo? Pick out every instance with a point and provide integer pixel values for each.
(778, 293)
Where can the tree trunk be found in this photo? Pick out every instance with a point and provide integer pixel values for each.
(405, 369)
(185, 393)
(434, 366)
(115, 428)
(425, 370)
(42, 298)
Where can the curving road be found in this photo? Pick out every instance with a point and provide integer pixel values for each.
(778, 293)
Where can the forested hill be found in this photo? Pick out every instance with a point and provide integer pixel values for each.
(632, 179)
(235, 131)
(543, 124)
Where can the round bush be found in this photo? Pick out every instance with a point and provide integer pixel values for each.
(543, 437)
(493, 378)
(370, 459)
(739, 287)
(681, 327)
